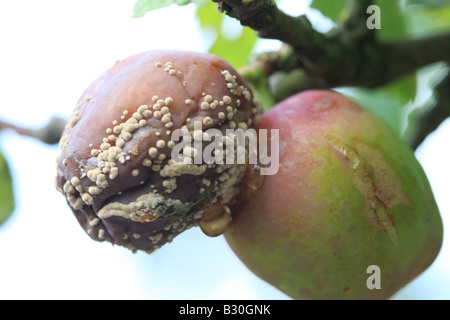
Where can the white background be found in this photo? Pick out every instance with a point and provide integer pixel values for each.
(50, 51)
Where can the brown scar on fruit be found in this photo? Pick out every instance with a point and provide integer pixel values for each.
(375, 180)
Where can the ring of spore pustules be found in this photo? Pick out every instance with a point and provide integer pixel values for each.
(115, 167)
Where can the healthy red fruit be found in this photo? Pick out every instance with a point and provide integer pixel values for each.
(348, 195)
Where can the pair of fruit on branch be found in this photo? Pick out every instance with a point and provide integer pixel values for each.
(348, 194)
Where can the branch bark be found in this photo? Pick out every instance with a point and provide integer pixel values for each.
(401, 57)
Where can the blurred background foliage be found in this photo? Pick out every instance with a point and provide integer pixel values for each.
(401, 103)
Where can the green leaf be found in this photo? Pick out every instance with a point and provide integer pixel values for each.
(431, 75)
(427, 21)
(428, 3)
(209, 17)
(403, 89)
(236, 51)
(388, 102)
(6, 191)
(141, 7)
(393, 22)
(329, 8)
(380, 104)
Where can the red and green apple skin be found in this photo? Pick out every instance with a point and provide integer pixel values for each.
(349, 194)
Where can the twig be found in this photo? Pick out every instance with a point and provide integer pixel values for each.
(50, 133)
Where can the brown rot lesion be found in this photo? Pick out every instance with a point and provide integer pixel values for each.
(127, 173)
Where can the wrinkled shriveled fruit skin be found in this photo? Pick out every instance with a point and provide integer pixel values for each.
(348, 195)
(115, 167)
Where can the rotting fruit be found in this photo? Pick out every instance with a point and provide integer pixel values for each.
(116, 169)
(348, 195)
